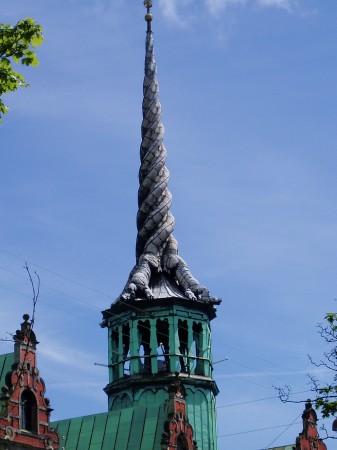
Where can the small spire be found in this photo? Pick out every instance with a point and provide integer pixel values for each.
(148, 16)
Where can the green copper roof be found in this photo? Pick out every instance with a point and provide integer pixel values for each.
(285, 447)
(130, 429)
(6, 362)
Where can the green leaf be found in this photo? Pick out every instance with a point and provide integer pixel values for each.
(17, 44)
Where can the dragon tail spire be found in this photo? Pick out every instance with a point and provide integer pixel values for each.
(156, 247)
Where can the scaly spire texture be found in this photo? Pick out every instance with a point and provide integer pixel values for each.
(155, 222)
(159, 271)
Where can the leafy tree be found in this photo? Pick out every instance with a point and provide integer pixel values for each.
(17, 45)
(324, 394)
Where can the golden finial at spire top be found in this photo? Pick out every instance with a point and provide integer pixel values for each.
(148, 16)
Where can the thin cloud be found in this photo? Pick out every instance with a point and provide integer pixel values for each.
(172, 11)
(288, 5)
(68, 357)
(215, 6)
(270, 373)
(175, 11)
(79, 386)
(183, 13)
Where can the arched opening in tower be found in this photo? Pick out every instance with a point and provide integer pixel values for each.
(182, 443)
(198, 362)
(115, 356)
(28, 411)
(183, 346)
(162, 333)
(126, 348)
(144, 347)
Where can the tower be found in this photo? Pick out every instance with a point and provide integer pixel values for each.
(160, 360)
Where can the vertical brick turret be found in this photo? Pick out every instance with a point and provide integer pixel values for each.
(25, 411)
(309, 438)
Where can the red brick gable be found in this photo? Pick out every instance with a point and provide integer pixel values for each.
(178, 432)
(25, 411)
(309, 438)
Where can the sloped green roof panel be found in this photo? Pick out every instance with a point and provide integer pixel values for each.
(98, 431)
(124, 428)
(62, 428)
(285, 447)
(150, 427)
(162, 416)
(73, 435)
(134, 428)
(6, 362)
(86, 432)
(137, 428)
(109, 438)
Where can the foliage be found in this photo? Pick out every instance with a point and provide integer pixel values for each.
(324, 395)
(17, 45)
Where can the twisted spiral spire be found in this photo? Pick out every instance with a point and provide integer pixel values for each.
(155, 222)
(156, 247)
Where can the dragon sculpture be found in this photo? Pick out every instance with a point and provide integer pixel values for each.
(156, 247)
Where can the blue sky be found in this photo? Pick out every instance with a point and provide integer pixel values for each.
(248, 89)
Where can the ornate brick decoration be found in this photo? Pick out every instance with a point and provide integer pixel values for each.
(309, 438)
(25, 411)
(178, 432)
